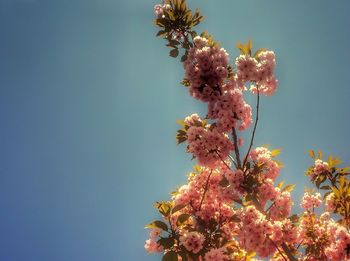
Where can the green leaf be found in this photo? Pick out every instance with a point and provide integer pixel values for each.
(178, 207)
(275, 152)
(182, 218)
(161, 33)
(280, 184)
(224, 182)
(186, 82)
(181, 122)
(183, 255)
(289, 188)
(158, 224)
(260, 50)
(174, 42)
(321, 178)
(170, 256)
(235, 218)
(166, 242)
(174, 53)
(181, 139)
(163, 208)
(312, 154)
(245, 48)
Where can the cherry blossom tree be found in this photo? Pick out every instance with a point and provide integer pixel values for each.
(231, 207)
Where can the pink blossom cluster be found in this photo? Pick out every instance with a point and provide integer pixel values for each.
(192, 241)
(216, 254)
(311, 201)
(215, 204)
(267, 191)
(281, 202)
(160, 9)
(202, 218)
(262, 155)
(261, 235)
(230, 110)
(281, 206)
(151, 244)
(258, 70)
(209, 145)
(324, 235)
(192, 120)
(206, 69)
(319, 168)
(235, 179)
(340, 245)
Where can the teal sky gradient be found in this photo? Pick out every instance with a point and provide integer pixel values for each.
(89, 99)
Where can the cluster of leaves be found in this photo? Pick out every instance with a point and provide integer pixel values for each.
(177, 26)
(246, 49)
(315, 249)
(342, 200)
(333, 180)
(332, 175)
(170, 241)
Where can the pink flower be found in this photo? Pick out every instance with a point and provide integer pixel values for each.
(209, 146)
(319, 168)
(158, 10)
(192, 241)
(216, 254)
(311, 201)
(206, 69)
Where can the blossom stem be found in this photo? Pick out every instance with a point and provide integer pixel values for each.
(287, 252)
(255, 125)
(278, 249)
(205, 190)
(222, 160)
(233, 161)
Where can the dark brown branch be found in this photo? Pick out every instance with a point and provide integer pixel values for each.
(255, 125)
(287, 252)
(235, 143)
(233, 161)
(278, 249)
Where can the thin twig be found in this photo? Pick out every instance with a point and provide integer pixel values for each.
(286, 250)
(255, 124)
(300, 244)
(233, 160)
(267, 210)
(217, 153)
(205, 190)
(279, 250)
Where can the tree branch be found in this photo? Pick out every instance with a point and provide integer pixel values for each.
(255, 125)
(235, 143)
(205, 189)
(222, 160)
(279, 250)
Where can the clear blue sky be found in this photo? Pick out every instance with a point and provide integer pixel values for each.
(89, 99)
